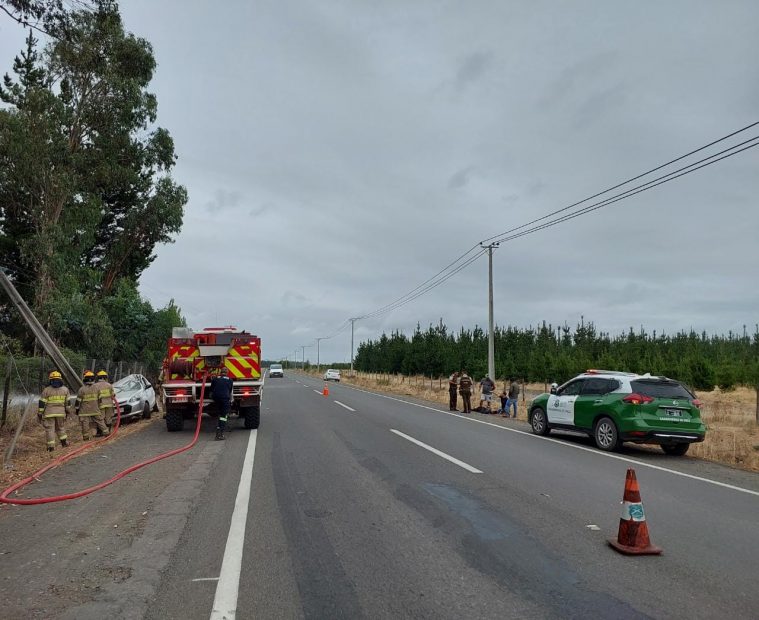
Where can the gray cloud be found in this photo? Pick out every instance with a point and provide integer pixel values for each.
(224, 199)
(460, 178)
(472, 68)
(338, 131)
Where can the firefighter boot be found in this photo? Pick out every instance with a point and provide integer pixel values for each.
(50, 448)
(220, 435)
(64, 443)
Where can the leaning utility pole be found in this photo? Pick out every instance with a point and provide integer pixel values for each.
(72, 378)
(491, 328)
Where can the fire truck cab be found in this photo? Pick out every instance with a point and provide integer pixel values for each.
(193, 355)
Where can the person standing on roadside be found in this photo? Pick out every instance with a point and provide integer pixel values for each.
(513, 397)
(88, 407)
(453, 386)
(106, 396)
(465, 389)
(221, 392)
(486, 386)
(52, 410)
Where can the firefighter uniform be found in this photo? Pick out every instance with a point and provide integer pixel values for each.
(88, 407)
(52, 411)
(465, 389)
(221, 392)
(453, 385)
(106, 396)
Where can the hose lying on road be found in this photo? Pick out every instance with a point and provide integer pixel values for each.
(62, 459)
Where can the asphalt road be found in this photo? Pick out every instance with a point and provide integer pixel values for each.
(366, 506)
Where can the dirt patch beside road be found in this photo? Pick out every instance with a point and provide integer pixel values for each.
(31, 454)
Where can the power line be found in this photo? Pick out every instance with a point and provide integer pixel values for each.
(637, 190)
(618, 185)
(462, 261)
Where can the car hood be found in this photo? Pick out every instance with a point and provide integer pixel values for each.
(123, 396)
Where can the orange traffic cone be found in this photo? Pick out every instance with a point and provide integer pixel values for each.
(632, 538)
(325, 391)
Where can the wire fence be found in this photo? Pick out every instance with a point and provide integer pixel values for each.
(23, 378)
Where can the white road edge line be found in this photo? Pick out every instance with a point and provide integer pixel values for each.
(225, 600)
(205, 579)
(569, 445)
(337, 402)
(447, 457)
(317, 391)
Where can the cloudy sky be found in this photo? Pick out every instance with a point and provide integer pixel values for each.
(337, 154)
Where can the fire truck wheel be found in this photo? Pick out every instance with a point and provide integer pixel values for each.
(252, 416)
(174, 420)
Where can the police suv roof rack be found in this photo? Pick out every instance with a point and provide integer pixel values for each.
(594, 371)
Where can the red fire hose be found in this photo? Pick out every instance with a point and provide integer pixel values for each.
(62, 459)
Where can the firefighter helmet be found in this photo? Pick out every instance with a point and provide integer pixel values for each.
(88, 376)
(102, 374)
(54, 374)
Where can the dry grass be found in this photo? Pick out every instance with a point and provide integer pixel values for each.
(31, 454)
(732, 437)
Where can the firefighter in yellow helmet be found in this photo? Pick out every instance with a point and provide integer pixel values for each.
(52, 410)
(106, 396)
(88, 406)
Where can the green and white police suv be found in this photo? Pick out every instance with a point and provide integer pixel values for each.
(613, 407)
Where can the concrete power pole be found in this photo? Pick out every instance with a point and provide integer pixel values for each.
(352, 322)
(318, 360)
(491, 326)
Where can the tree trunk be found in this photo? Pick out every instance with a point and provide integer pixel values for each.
(757, 404)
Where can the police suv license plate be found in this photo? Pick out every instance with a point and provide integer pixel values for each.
(675, 412)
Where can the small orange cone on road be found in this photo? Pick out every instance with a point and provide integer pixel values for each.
(325, 391)
(632, 538)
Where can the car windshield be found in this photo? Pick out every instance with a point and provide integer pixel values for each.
(276, 366)
(656, 388)
(128, 384)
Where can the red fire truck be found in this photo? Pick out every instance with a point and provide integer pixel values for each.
(191, 355)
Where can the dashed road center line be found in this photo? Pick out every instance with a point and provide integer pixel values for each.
(337, 402)
(568, 445)
(318, 392)
(225, 600)
(447, 457)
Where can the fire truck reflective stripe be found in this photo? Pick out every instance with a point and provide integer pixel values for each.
(244, 351)
(237, 370)
(251, 367)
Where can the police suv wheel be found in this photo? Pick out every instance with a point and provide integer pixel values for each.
(539, 421)
(606, 435)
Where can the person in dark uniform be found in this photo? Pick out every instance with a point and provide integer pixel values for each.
(221, 392)
(453, 386)
(465, 389)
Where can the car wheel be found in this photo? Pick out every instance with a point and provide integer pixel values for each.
(539, 421)
(675, 449)
(146, 411)
(606, 435)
